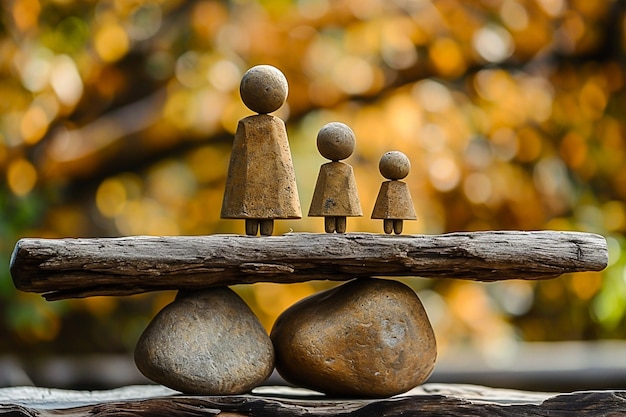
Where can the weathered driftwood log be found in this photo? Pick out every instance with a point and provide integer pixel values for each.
(430, 399)
(64, 268)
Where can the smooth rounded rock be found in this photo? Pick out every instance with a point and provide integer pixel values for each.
(263, 89)
(394, 165)
(366, 338)
(207, 342)
(335, 141)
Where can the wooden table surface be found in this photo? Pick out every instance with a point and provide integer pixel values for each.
(428, 400)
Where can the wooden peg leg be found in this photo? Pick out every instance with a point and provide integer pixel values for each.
(252, 227)
(388, 225)
(397, 226)
(329, 224)
(267, 227)
(340, 224)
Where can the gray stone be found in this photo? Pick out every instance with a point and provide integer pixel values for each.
(264, 89)
(207, 342)
(366, 338)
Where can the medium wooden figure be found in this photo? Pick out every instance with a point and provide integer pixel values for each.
(261, 181)
(394, 203)
(335, 196)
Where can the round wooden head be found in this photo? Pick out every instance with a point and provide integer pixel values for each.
(394, 165)
(263, 89)
(335, 141)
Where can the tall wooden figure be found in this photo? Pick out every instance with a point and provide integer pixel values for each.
(394, 202)
(335, 196)
(261, 182)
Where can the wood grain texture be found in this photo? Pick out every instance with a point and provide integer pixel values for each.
(430, 399)
(65, 268)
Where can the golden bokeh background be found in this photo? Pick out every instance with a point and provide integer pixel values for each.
(117, 117)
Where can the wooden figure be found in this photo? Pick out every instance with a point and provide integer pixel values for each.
(394, 202)
(335, 196)
(261, 181)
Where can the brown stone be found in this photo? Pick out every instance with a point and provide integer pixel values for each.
(335, 192)
(207, 342)
(261, 181)
(394, 203)
(335, 196)
(335, 141)
(394, 165)
(263, 89)
(366, 338)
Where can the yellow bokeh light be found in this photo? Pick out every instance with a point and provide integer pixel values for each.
(585, 284)
(433, 138)
(21, 176)
(4, 154)
(468, 301)
(477, 187)
(494, 84)
(69, 221)
(505, 143)
(324, 93)
(444, 173)
(403, 119)
(26, 13)
(593, 100)
(103, 87)
(398, 47)
(432, 95)
(538, 95)
(34, 125)
(231, 114)
(146, 217)
(573, 29)
(353, 75)
(111, 42)
(208, 164)
(372, 137)
(573, 149)
(100, 306)
(111, 197)
(493, 43)
(614, 216)
(224, 75)
(529, 144)
(447, 58)
(66, 81)
(552, 7)
(207, 110)
(207, 17)
(176, 110)
(272, 299)
(191, 69)
(171, 184)
(312, 9)
(514, 15)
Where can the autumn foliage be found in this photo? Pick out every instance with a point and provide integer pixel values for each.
(117, 118)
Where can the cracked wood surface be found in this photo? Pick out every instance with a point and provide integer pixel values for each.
(66, 268)
(429, 399)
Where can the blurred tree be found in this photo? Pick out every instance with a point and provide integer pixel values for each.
(117, 118)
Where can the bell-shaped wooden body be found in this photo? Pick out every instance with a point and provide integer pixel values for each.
(394, 202)
(335, 192)
(261, 182)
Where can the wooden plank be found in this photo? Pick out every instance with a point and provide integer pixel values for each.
(429, 399)
(64, 268)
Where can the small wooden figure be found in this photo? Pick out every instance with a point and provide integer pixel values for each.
(335, 196)
(261, 181)
(394, 202)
